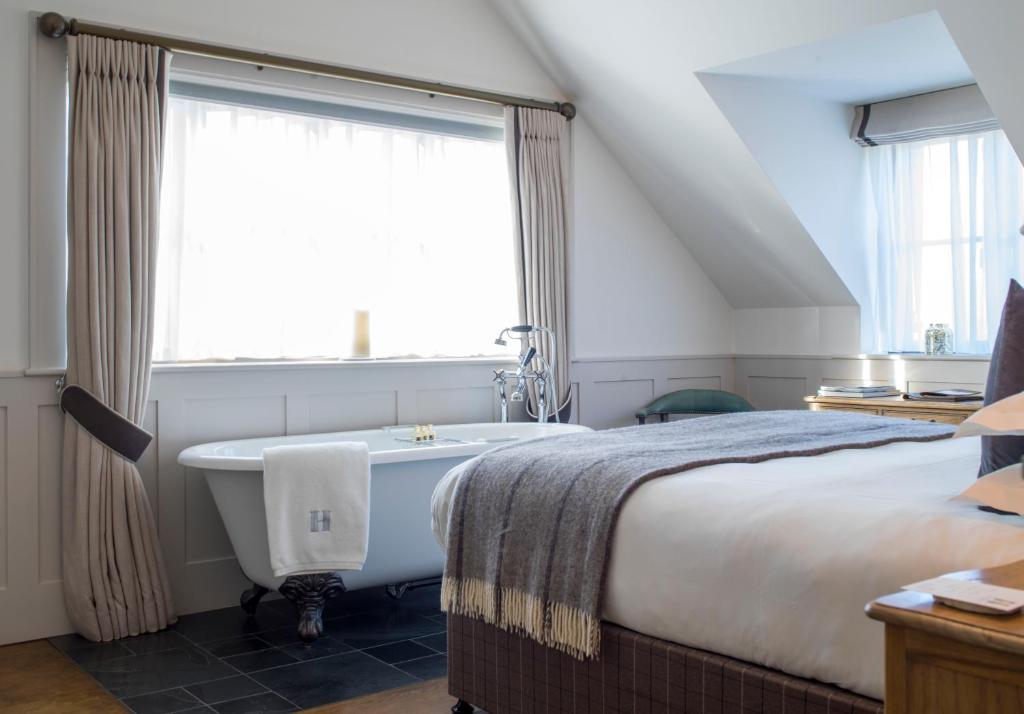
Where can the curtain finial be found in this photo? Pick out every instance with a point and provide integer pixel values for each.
(53, 24)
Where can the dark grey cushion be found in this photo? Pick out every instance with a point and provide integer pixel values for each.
(1005, 378)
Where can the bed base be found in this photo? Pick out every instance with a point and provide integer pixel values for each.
(504, 673)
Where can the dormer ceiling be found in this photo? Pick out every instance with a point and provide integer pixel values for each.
(636, 70)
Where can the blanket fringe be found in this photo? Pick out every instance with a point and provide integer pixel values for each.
(554, 624)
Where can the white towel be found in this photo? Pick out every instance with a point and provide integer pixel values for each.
(317, 499)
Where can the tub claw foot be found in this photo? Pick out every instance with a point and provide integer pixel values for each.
(250, 599)
(309, 594)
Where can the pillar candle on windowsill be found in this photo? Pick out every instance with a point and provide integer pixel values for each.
(361, 334)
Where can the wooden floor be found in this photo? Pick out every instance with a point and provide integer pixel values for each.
(429, 697)
(35, 677)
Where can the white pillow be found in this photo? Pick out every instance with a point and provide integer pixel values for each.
(1005, 417)
(1002, 489)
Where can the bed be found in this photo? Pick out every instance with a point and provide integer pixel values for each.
(764, 568)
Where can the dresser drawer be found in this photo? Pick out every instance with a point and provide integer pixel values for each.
(818, 407)
(918, 415)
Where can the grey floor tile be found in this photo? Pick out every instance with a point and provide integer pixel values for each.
(264, 659)
(332, 679)
(223, 689)
(172, 700)
(438, 642)
(257, 704)
(323, 647)
(379, 627)
(236, 646)
(203, 627)
(155, 642)
(399, 651)
(156, 671)
(431, 667)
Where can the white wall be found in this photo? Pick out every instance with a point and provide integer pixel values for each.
(636, 290)
(802, 143)
(988, 33)
(797, 331)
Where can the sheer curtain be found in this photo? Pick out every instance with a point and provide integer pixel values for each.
(279, 228)
(949, 214)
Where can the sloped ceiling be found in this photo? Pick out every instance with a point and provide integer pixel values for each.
(631, 67)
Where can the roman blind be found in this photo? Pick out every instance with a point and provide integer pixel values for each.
(949, 112)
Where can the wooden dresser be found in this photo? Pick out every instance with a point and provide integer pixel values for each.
(939, 660)
(943, 412)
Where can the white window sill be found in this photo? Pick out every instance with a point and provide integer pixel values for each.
(243, 366)
(908, 357)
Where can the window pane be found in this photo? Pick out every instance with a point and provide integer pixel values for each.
(948, 237)
(278, 229)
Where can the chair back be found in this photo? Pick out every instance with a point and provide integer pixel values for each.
(695, 401)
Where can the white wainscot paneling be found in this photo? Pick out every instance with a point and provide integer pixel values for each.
(609, 392)
(352, 411)
(50, 442)
(677, 383)
(31, 433)
(455, 406)
(777, 392)
(612, 404)
(5, 504)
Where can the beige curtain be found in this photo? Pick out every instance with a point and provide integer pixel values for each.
(537, 149)
(114, 579)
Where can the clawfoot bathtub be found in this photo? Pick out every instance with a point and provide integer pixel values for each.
(403, 476)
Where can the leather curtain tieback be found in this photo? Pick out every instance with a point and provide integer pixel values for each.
(117, 433)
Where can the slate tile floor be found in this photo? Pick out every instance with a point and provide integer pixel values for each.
(222, 661)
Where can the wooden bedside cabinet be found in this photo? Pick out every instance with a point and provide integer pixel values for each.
(939, 660)
(941, 412)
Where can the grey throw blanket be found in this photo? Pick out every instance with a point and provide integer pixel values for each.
(531, 524)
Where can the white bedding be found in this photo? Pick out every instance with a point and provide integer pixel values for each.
(773, 563)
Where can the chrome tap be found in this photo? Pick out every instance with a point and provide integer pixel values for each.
(500, 377)
(543, 374)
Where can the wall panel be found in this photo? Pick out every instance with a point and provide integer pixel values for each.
(50, 439)
(455, 406)
(352, 411)
(610, 391)
(5, 503)
(776, 392)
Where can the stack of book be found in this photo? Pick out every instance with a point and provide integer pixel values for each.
(827, 390)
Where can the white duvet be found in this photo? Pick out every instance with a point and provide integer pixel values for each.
(773, 563)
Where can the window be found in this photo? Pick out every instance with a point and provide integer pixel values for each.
(293, 229)
(949, 214)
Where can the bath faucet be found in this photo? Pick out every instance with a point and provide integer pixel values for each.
(500, 377)
(543, 374)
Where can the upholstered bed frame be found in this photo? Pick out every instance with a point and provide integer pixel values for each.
(503, 673)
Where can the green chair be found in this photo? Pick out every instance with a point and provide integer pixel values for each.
(694, 401)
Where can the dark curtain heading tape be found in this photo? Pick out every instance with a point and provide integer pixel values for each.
(105, 425)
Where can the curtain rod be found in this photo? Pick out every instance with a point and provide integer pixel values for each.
(55, 25)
